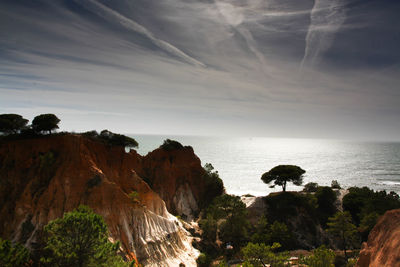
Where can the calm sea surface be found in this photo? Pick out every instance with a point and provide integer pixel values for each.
(241, 161)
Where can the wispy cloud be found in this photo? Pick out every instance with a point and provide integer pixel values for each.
(327, 16)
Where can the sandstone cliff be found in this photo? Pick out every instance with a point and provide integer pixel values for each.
(382, 247)
(177, 176)
(42, 178)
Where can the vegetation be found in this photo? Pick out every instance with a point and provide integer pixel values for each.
(326, 199)
(365, 206)
(269, 234)
(335, 184)
(310, 187)
(12, 123)
(283, 174)
(80, 239)
(321, 257)
(13, 255)
(213, 184)
(341, 227)
(111, 138)
(45, 122)
(171, 145)
(260, 255)
(134, 196)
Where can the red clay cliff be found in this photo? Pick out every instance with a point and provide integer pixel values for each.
(44, 177)
(383, 245)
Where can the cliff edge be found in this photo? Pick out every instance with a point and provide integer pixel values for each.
(42, 178)
(382, 247)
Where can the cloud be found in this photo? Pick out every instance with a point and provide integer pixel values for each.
(327, 16)
(200, 67)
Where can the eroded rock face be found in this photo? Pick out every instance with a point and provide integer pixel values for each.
(177, 176)
(45, 177)
(382, 247)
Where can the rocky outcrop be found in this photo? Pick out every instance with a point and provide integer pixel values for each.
(178, 177)
(42, 178)
(382, 247)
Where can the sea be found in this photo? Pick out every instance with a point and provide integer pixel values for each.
(241, 161)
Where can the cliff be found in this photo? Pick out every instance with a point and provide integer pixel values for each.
(178, 177)
(382, 247)
(42, 178)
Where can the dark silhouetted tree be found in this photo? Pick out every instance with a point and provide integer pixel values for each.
(45, 122)
(12, 123)
(283, 174)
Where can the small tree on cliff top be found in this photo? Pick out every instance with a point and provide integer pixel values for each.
(282, 174)
(45, 122)
(12, 123)
(80, 239)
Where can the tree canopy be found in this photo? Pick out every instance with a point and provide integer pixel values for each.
(341, 226)
(282, 174)
(13, 255)
(45, 122)
(12, 123)
(80, 239)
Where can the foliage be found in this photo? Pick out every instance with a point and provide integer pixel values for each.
(269, 234)
(80, 239)
(321, 257)
(45, 122)
(134, 196)
(171, 145)
(13, 255)
(213, 184)
(335, 184)
(362, 201)
(209, 227)
(310, 187)
(260, 255)
(365, 206)
(341, 227)
(46, 168)
(203, 260)
(367, 223)
(111, 138)
(12, 123)
(326, 198)
(282, 174)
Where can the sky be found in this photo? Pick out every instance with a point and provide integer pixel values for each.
(275, 68)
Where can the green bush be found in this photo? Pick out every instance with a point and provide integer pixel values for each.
(203, 260)
(13, 255)
(326, 198)
(111, 138)
(171, 145)
(310, 187)
(362, 202)
(213, 184)
(258, 255)
(321, 257)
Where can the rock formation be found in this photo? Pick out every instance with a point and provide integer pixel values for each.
(42, 178)
(382, 247)
(177, 176)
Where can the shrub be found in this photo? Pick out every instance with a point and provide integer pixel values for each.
(171, 145)
(134, 196)
(326, 198)
(310, 187)
(111, 138)
(203, 260)
(321, 257)
(13, 255)
(335, 184)
(213, 184)
(259, 255)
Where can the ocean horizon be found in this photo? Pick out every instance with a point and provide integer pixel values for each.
(240, 161)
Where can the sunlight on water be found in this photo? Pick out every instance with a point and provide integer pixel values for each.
(241, 161)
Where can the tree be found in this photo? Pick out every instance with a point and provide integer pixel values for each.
(12, 123)
(13, 255)
(80, 239)
(282, 174)
(45, 122)
(321, 257)
(341, 226)
(260, 255)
